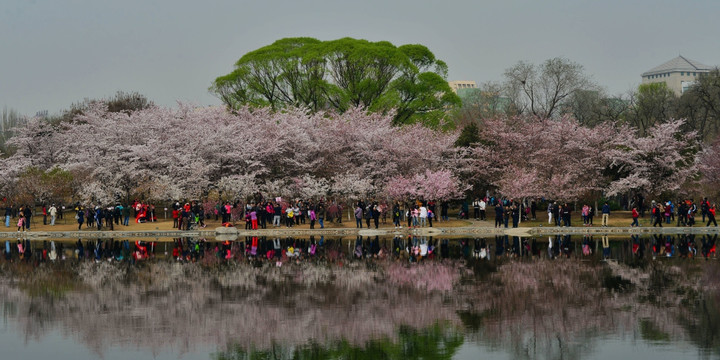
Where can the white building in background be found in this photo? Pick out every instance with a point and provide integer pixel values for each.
(462, 84)
(679, 74)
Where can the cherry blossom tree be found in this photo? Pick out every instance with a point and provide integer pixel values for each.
(401, 188)
(188, 152)
(562, 159)
(709, 166)
(439, 185)
(663, 160)
(555, 158)
(430, 185)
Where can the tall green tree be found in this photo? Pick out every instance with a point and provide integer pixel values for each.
(652, 104)
(339, 75)
(700, 105)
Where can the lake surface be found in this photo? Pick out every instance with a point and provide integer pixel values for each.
(367, 298)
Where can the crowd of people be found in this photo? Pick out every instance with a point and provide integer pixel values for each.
(25, 213)
(261, 213)
(684, 212)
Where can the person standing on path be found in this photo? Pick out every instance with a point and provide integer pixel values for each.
(658, 214)
(711, 215)
(605, 214)
(126, 215)
(368, 214)
(8, 214)
(498, 215)
(375, 214)
(422, 216)
(313, 217)
(476, 208)
(80, 216)
(483, 204)
(515, 213)
(635, 216)
(28, 216)
(395, 214)
(358, 216)
(550, 213)
(53, 214)
(444, 206)
(320, 213)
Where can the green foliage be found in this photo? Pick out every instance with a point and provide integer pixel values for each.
(468, 136)
(700, 105)
(339, 75)
(437, 342)
(654, 104)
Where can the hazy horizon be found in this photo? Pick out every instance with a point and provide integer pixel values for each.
(56, 53)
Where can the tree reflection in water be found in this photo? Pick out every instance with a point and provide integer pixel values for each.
(440, 341)
(369, 308)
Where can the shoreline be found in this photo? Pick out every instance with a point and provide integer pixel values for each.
(232, 233)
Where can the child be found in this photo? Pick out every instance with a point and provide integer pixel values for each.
(21, 222)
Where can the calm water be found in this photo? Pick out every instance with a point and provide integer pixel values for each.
(339, 305)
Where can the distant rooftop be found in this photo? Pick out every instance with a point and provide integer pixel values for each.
(679, 63)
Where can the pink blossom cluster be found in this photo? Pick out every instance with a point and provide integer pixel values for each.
(185, 152)
(562, 159)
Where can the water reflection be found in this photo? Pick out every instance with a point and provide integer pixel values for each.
(413, 297)
(439, 341)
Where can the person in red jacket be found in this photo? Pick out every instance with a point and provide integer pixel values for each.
(635, 216)
(711, 215)
(175, 215)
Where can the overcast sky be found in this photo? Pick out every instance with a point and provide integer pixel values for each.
(56, 52)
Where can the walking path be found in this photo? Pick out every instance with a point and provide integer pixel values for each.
(474, 229)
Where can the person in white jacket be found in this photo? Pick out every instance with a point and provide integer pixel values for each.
(483, 204)
(423, 216)
(53, 214)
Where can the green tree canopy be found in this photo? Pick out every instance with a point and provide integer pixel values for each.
(341, 74)
(653, 103)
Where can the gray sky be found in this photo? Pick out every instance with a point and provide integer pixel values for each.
(56, 52)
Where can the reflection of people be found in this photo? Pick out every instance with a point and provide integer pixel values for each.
(550, 249)
(606, 247)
